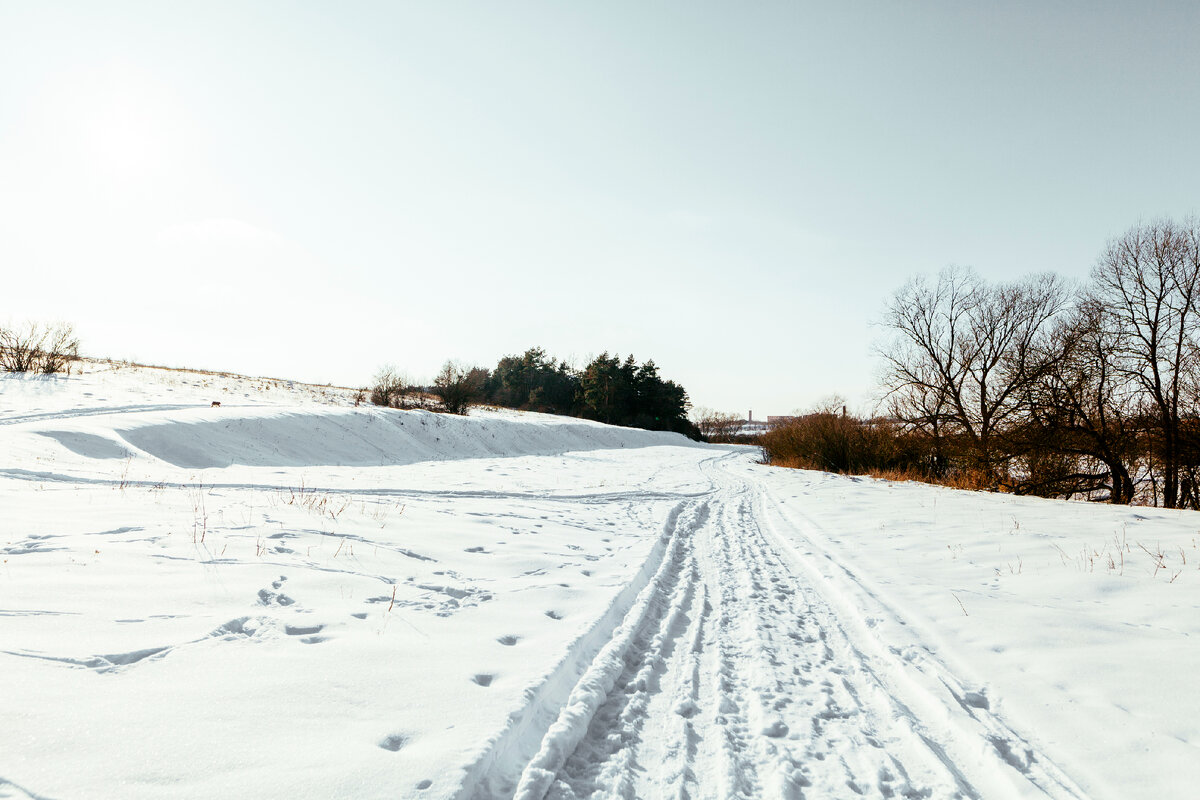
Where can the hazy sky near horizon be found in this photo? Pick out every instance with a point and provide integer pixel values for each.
(311, 190)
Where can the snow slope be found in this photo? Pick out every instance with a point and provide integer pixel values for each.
(288, 596)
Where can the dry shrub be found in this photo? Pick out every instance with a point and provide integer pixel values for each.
(38, 347)
(973, 480)
(880, 448)
(390, 388)
(900, 474)
(716, 426)
(840, 443)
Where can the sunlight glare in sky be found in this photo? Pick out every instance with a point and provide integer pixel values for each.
(733, 191)
(122, 138)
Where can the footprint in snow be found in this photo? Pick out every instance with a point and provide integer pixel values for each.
(554, 615)
(483, 679)
(775, 729)
(394, 742)
(302, 630)
(242, 626)
(267, 597)
(508, 641)
(977, 699)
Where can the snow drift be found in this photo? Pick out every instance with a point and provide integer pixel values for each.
(216, 438)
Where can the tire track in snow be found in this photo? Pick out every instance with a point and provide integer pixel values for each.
(815, 726)
(971, 736)
(609, 757)
(524, 758)
(737, 684)
(101, 411)
(447, 496)
(631, 660)
(733, 743)
(734, 677)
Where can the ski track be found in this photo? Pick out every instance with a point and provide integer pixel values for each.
(926, 683)
(102, 411)
(596, 498)
(732, 677)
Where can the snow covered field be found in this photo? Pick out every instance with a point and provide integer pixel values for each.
(289, 597)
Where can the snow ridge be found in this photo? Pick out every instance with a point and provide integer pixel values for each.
(218, 438)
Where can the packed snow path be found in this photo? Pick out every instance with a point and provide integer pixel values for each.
(732, 678)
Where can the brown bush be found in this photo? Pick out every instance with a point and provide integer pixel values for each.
(839, 443)
(389, 388)
(973, 480)
(38, 347)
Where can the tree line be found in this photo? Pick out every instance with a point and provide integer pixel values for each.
(1039, 387)
(610, 389)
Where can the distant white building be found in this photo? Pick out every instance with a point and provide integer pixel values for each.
(751, 426)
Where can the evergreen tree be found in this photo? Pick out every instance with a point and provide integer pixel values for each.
(609, 389)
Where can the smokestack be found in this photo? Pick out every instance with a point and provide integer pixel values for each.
(750, 416)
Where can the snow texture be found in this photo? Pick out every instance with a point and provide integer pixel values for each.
(290, 596)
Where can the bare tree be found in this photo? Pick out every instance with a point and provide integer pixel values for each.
(963, 352)
(1149, 282)
(925, 408)
(1081, 409)
(716, 426)
(923, 360)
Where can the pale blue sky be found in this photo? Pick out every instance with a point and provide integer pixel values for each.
(311, 190)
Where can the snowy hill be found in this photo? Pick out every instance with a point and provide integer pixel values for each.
(290, 596)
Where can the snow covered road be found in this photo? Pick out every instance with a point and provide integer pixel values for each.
(734, 678)
(291, 597)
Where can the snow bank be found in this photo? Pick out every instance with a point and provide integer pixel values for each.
(217, 438)
(173, 416)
